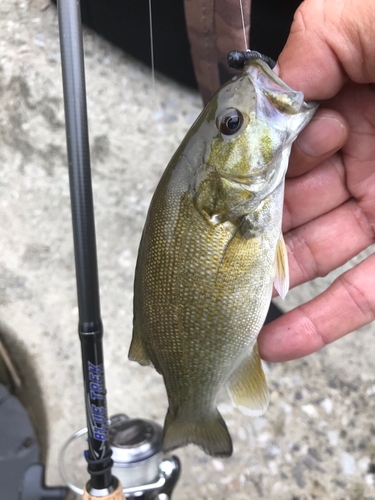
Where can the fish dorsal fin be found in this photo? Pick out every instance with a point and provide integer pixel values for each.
(137, 351)
(248, 386)
(281, 273)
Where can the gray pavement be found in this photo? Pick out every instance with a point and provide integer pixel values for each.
(317, 440)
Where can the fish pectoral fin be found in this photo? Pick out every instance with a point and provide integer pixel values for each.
(248, 386)
(210, 434)
(238, 256)
(137, 351)
(281, 272)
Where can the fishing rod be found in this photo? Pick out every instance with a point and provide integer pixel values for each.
(134, 443)
(90, 326)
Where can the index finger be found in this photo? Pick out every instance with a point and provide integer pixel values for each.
(321, 138)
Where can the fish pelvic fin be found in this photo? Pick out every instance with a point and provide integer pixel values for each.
(281, 272)
(248, 386)
(137, 351)
(210, 434)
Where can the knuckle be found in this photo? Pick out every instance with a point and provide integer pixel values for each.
(358, 297)
(301, 252)
(314, 332)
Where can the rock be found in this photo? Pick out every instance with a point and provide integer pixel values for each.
(218, 465)
(327, 405)
(298, 476)
(310, 410)
(348, 464)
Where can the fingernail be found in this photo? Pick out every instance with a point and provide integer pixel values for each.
(323, 134)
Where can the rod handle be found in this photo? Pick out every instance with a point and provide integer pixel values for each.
(118, 494)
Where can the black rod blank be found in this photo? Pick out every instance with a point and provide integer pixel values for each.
(79, 161)
(90, 324)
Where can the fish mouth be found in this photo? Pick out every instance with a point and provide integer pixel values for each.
(266, 80)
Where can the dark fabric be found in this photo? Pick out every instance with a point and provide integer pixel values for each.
(215, 28)
(125, 23)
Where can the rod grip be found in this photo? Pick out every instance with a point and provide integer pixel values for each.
(118, 494)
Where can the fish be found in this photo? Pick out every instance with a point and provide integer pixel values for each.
(210, 252)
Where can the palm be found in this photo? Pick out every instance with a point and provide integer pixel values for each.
(329, 217)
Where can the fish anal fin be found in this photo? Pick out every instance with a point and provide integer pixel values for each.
(281, 273)
(210, 434)
(137, 351)
(248, 386)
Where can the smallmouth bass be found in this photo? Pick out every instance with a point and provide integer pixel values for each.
(210, 251)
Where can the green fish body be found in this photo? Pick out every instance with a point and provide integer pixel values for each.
(211, 249)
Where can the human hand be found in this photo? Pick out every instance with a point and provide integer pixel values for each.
(329, 212)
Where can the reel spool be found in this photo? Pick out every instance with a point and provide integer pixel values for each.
(139, 463)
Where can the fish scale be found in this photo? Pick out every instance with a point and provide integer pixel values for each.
(210, 250)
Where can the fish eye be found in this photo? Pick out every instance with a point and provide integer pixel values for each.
(230, 121)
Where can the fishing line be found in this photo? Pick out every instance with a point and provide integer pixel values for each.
(152, 52)
(243, 26)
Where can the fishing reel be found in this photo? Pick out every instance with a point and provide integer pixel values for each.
(139, 463)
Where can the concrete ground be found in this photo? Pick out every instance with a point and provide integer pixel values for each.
(317, 440)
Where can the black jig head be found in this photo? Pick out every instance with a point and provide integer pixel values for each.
(237, 58)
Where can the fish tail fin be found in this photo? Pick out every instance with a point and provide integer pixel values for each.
(210, 434)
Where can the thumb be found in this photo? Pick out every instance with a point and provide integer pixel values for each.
(326, 45)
